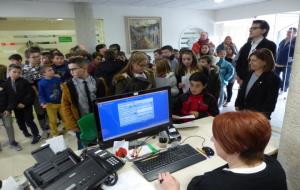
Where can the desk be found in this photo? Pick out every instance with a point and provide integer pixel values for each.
(185, 175)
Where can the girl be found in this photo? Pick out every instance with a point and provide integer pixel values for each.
(164, 76)
(204, 50)
(135, 76)
(187, 66)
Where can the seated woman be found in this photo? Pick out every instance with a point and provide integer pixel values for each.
(240, 138)
(135, 76)
(259, 91)
(197, 101)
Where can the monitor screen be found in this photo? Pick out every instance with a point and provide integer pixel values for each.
(134, 115)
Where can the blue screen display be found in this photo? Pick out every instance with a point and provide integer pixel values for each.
(132, 114)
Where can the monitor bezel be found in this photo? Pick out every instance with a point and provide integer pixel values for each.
(135, 135)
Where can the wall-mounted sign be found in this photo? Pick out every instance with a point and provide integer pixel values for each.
(64, 39)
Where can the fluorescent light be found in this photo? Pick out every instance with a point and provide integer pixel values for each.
(218, 1)
(59, 19)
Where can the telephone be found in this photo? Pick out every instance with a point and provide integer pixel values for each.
(66, 170)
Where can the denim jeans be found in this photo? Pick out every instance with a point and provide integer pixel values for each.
(285, 79)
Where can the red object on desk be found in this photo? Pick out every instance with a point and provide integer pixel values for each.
(121, 152)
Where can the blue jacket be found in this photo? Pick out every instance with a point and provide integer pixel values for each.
(226, 71)
(284, 52)
(50, 91)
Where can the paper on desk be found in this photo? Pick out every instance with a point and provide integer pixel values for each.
(140, 152)
(57, 144)
(130, 180)
(183, 117)
(184, 125)
(10, 184)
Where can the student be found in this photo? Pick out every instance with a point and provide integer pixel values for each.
(7, 104)
(187, 66)
(45, 58)
(78, 94)
(164, 76)
(15, 59)
(197, 101)
(50, 96)
(230, 59)
(31, 72)
(24, 98)
(260, 89)
(157, 55)
(176, 54)
(167, 53)
(101, 49)
(135, 76)
(257, 40)
(109, 68)
(212, 71)
(96, 60)
(204, 50)
(59, 66)
(226, 74)
(240, 139)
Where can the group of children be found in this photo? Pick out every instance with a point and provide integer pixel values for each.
(64, 89)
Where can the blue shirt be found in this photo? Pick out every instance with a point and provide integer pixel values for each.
(50, 91)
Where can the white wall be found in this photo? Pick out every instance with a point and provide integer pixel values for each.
(36, 9)
(263, 8)
(174, 21)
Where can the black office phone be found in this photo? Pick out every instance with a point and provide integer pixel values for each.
(66, 170)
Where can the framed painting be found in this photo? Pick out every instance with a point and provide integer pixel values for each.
(143, 33)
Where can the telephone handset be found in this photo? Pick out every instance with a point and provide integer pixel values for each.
(107, 160)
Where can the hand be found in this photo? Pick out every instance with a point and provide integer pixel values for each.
(20, 105)
(44, 106)
(168, 182)
(6, 113)
(180, 85)
(239, 80)
(196, 114)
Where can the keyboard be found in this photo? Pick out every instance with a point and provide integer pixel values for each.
(170, 160)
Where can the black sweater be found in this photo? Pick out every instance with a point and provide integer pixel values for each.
(7, 101)
(271, 178)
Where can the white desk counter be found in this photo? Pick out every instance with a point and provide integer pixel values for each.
(129, 178)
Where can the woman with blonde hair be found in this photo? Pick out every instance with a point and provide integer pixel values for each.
(135, 76)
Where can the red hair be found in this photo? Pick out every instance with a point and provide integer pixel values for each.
(243, 132)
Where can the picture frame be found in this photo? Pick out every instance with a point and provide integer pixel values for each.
(143, 33)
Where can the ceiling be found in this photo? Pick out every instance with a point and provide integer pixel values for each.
(184, 4)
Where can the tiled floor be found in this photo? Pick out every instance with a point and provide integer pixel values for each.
(13, 163)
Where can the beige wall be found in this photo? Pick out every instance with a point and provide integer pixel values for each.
(38, 30)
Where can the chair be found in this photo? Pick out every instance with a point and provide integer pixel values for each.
(88, 130)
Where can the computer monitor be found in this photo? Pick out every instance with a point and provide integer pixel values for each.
(133, 115)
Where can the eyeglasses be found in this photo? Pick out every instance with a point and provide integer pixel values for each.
(73, 69)
(254, 28)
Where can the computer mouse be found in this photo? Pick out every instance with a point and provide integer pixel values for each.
(208, 151)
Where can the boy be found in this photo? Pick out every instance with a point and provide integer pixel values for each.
(59, 66)
(31, 72)
(6, 106)
(226, 73)
(23, 95)
(196, 101)
(167, 53)
(78, 94)
(50, 96)
(214, 83)
(15, 59)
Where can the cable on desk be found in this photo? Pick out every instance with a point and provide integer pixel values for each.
(203, 139)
